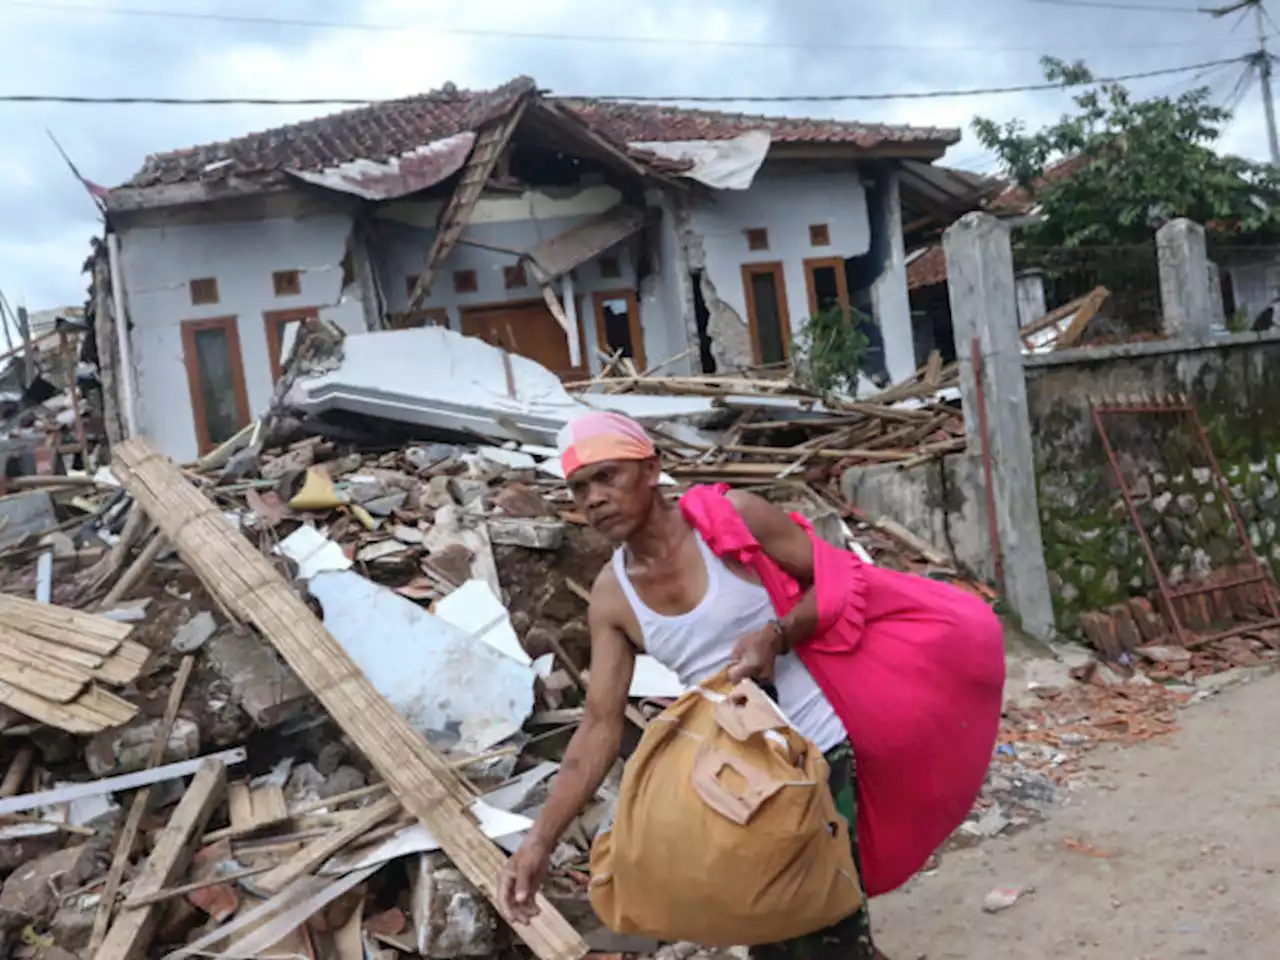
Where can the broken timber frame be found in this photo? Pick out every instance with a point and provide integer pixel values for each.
(426, 783)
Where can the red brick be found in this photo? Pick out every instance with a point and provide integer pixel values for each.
(1127, 632)
(1151, 625)
(1100, 629)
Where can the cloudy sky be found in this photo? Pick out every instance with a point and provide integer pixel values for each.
(391, 48)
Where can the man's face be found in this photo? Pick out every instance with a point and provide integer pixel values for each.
(615, 495)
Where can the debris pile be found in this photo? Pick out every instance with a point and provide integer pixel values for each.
(295, 697)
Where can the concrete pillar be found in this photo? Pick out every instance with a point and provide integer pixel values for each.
(1028, 287)
(1217, 309)
(1184, 296)
(983, 306)
(890, 300)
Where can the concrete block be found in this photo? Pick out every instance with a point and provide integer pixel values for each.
(32, 892)
(526, 532)
(451, 918)
(126, 749)
(266, 689)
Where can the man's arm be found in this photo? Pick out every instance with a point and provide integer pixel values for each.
(591, 752)
(790, 548)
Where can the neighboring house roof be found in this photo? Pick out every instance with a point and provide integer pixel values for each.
(928, 267)
(384, 131)
(1016, 200)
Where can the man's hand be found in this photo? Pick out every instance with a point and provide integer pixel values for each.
(754, 655)
(521, 880)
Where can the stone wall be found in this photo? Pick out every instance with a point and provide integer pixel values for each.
(1093, 553)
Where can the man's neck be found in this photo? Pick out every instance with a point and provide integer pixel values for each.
(661, 533)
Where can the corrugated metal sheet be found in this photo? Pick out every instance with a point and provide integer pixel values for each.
(560, 254)
(420, 168)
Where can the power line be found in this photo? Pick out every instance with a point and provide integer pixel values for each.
(1104, 5)
(480, 32)
(630, 98)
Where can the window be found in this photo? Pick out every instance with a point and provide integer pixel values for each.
(287, 283)
(513, 277)
(819, 235)
(426, 317)
(610, 268)
(757, 238)
(204, 290)
(767, 311)
(464, 281)
(282, 327)
(827, 284)
(618, 325)
(215, 375)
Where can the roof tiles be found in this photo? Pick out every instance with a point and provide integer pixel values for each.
(388, 129)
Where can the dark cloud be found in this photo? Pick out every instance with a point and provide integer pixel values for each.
(822, 46)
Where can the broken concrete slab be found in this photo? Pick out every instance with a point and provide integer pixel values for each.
(526, 532)
(193, 634)
(313, 552)
(24, 514)
(457, 692)
(451, 918)
(521, 500)
(128, 748)
(266, 689)
(32, 892)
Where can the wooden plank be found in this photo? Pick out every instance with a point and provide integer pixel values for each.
(13, 642)
(72, 628)
(130, 936)
(425, 782)
(124, 843)
(93, 711)
(135, 574)
(56, 683)
(124, 666)
(17, 772)
(314, 854)
(240, 806)
(269, 804)
(1080, 322)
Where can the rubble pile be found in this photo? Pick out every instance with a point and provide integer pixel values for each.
(191, 761)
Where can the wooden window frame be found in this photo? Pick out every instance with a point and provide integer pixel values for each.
(842, 281)
(189, 330)
(757, 239)
(468, 276)
(199, 301)
(610, 267)
(819, 235)
(286, 283)
(774, 267)
(633, 323)
(515, 277)
(273, 322)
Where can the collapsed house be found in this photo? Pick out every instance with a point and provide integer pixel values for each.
(562, 230)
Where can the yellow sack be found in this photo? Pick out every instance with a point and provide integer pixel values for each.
(725, 832)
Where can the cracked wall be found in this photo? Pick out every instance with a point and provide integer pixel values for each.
(158, 264)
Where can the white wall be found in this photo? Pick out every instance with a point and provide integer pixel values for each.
(1256, 286)
(785, 203)
(157, 264)
(404, 232)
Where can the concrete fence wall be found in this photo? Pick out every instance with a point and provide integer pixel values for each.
(1065, 537)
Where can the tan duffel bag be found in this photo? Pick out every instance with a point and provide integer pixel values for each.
(725, 832)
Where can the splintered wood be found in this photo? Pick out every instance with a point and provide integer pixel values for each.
(54, 661)
(779, 429)
(424, 781)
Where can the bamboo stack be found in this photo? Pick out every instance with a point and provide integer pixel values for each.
(54, 662)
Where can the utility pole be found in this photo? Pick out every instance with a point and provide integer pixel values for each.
(1260, 59)
(1264, 75)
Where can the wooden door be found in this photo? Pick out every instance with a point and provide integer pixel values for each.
(526, 328)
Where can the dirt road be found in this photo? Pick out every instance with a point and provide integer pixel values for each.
(1184, 849)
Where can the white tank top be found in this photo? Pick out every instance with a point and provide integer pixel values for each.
(698, 644)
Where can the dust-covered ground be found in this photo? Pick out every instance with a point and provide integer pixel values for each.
(1172, 854)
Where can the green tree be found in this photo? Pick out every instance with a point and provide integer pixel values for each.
(831, 350)
(1137, 164)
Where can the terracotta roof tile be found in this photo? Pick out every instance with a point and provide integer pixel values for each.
(927, 269)
(388, 129)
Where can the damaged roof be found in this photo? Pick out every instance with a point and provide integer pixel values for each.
(391, 129)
